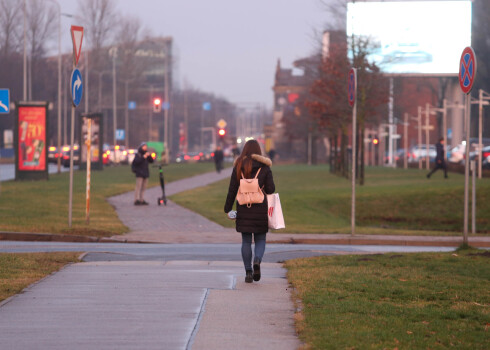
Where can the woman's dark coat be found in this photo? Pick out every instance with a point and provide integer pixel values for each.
(140, 164)
(253, 219)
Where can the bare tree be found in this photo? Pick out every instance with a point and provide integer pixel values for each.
(10, 25)
(41, 21)
(99, 17)
(41, 26)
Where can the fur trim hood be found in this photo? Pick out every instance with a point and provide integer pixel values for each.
(260, 159)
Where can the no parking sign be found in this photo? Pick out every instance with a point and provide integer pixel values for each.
(467, 70)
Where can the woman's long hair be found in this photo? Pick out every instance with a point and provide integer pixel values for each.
(244, 161)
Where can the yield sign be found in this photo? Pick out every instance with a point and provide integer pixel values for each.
(467, 70)
(77, 38)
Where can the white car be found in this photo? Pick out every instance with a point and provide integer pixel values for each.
(417, 153)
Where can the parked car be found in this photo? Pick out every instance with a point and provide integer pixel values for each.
(130, 155)
(190, 157)
(53, 154)
(65, 156)
(417, 153)
(115, 155)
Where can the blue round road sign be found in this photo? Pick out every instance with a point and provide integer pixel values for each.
(76, 87)
(467, 70)
(352, 81)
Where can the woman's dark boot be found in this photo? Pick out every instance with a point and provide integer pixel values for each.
(249, 276)
(256, 275)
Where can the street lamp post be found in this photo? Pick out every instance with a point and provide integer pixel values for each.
(58, 150)
(113, 53)
(24, 91)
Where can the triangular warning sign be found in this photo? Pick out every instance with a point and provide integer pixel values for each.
(77, 38)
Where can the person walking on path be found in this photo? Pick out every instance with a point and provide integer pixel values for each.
(218, 159)
(142, 172)
(440, 162)
(251, 220)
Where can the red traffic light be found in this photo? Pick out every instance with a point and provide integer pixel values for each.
(375, 141)
(157, 104)
(221, 132)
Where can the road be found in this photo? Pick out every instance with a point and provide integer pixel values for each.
(7, 171)
(200, 252)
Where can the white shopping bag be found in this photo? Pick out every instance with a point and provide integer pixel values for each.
(276, 219)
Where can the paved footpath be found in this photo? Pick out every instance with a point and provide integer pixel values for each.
(155, 304)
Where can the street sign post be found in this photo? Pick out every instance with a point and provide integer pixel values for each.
(467, 74)
(76, 90)
(352, 90)
(4, 101)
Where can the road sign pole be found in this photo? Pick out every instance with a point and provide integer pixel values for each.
(72, 136)
(419, 124)
(89, 163)
(473, 197)
(466, 166)
(480, 133)
(467, 74)
(76, 93)
(353, 102)
(427, 160)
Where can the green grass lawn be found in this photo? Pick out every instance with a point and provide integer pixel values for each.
(393, 201)
(42, 206)
(17, 271)
(393, 301)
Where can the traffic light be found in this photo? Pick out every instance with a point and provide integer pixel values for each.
(375, 141)
(157, 105)
(221, 132)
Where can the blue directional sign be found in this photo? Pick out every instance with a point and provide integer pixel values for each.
(76, 87)
(120, 134)
(165, 105)
(206, 106)
(131, 105)
(4, 101)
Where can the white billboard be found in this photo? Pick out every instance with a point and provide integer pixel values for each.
(413, 37)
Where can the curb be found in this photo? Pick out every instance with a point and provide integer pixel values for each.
(431, 241)
(367, 241)
(49, 237)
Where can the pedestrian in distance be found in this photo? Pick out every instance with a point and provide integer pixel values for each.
(140, 168)
(218, 159)
(440, 162)
(251, 220)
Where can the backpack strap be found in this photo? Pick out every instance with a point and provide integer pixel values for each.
(243, 177)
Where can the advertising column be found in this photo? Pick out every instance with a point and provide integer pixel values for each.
(30, 140)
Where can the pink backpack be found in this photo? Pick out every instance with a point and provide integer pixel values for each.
(249, 191)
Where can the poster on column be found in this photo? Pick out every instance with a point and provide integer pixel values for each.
(31, 140)
(95, 141)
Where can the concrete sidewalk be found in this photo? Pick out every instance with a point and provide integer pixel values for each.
(151, 305)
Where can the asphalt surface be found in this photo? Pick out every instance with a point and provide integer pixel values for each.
(182, 289)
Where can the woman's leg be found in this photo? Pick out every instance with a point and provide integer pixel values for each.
(259, 239)
(247, 250)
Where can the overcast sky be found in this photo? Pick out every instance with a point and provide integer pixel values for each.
(228, 47)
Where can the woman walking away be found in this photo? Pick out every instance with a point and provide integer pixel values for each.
(251, 220)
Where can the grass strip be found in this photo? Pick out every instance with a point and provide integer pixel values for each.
(19, 270)
(393, 301)
(42, 206)
(393, 201)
